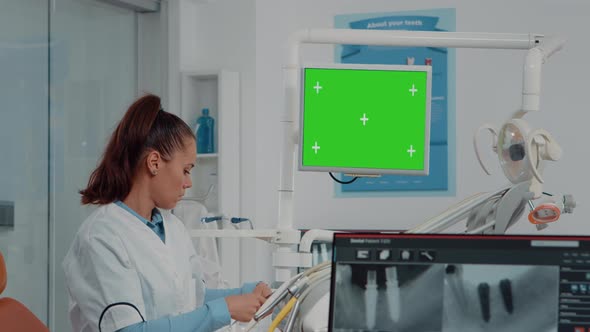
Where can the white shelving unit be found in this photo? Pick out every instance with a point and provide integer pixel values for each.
(219, 91)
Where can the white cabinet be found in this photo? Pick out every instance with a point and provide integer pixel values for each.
(219, 91)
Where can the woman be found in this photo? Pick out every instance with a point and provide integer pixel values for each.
(132, 266)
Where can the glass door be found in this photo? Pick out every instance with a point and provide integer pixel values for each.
(24, 149)
(93, 75)
(68, 71)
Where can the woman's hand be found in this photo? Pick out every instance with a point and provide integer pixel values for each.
(262, 289)
(243, 307)
(265, 291)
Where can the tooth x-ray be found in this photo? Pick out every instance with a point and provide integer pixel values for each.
(402, 301)
(500, 298)
(445, 297)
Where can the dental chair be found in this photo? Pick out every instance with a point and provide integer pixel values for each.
(14, 316)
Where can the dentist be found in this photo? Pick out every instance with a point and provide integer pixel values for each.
(132, 266)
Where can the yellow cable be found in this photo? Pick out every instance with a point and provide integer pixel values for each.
(286, 309)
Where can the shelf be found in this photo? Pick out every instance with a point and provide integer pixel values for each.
(219, 91)
(206, 155)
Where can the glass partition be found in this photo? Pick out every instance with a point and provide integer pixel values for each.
(93, 80)
(24, 149)
(68, 71)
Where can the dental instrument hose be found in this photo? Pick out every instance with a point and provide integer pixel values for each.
(286, 309)
(292, 317)
(282, 292)
(317, 268)
(313, 282)
(278, 295)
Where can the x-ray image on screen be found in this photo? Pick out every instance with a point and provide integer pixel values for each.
(388, 298)
(459, 283)
(445, 297)
(500, 298)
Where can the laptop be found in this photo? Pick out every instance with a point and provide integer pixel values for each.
(459, 283)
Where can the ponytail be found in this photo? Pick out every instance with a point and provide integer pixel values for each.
(145, 126)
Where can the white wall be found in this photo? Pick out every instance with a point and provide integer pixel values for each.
(250, 37)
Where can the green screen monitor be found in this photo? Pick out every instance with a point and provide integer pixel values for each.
(365, 119)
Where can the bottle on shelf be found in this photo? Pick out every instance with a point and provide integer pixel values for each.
(205, 132)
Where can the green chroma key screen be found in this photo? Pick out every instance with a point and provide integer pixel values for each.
(368, 120)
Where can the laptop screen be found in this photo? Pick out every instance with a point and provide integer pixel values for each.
(411, 282)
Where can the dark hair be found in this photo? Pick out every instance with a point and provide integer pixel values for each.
(144, 127)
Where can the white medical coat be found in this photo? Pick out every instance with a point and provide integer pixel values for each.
(116, 258)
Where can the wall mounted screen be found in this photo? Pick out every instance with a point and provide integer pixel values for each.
(365, 119)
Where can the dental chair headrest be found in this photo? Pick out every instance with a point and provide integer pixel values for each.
(2, 274)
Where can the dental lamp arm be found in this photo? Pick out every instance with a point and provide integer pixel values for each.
(531, 86)
(550, 45)
(454, 214)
